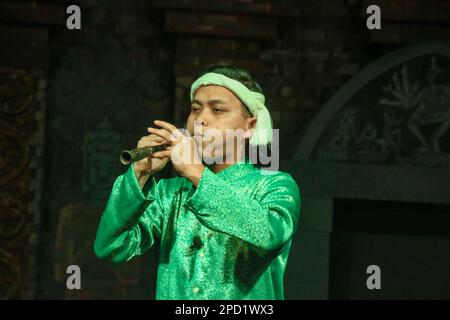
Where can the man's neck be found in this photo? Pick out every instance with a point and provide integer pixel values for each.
(217, 167)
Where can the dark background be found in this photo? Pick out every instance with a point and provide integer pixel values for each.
(351, 103)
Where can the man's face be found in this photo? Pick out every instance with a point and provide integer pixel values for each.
(216, 107)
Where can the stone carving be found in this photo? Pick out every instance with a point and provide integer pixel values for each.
(429, 102)
(405, 122)
(16, 91)
(100, 156)
(10, 278)
(15, 153)
(13, 217)
(345, 135)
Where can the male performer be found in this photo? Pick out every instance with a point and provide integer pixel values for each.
(224, 226)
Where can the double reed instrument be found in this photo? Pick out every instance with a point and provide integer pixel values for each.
(129, 156)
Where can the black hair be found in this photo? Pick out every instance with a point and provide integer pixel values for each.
(234, 72)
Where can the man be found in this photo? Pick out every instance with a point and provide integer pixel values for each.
(224, 227)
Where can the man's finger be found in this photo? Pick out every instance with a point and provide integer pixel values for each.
(154, 138)
(149, 129)
(166, 135)
(169, 127)
(162, 154)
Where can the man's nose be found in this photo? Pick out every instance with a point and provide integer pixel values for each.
(199, 126)
(201, 120)
(203, 117)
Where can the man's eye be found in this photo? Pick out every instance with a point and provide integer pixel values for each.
(217, 110)
(195, 109)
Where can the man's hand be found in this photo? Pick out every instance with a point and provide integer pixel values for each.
(148, 166)
(184, 151)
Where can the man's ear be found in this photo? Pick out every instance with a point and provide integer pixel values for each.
(251, 124)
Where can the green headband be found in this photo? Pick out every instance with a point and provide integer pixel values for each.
(253, 100)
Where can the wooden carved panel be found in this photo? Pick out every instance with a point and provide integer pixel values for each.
(401, 117)
(17, 100)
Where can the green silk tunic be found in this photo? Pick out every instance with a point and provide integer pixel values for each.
(229, 238)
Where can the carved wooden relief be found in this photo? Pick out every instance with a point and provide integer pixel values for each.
(401, 116)
(17, 99)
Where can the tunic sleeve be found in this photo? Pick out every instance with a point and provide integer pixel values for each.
(132, 220)
(267, 220)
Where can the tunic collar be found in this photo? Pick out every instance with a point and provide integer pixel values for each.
(236, 170)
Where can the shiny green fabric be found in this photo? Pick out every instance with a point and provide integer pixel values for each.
(229, 238)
